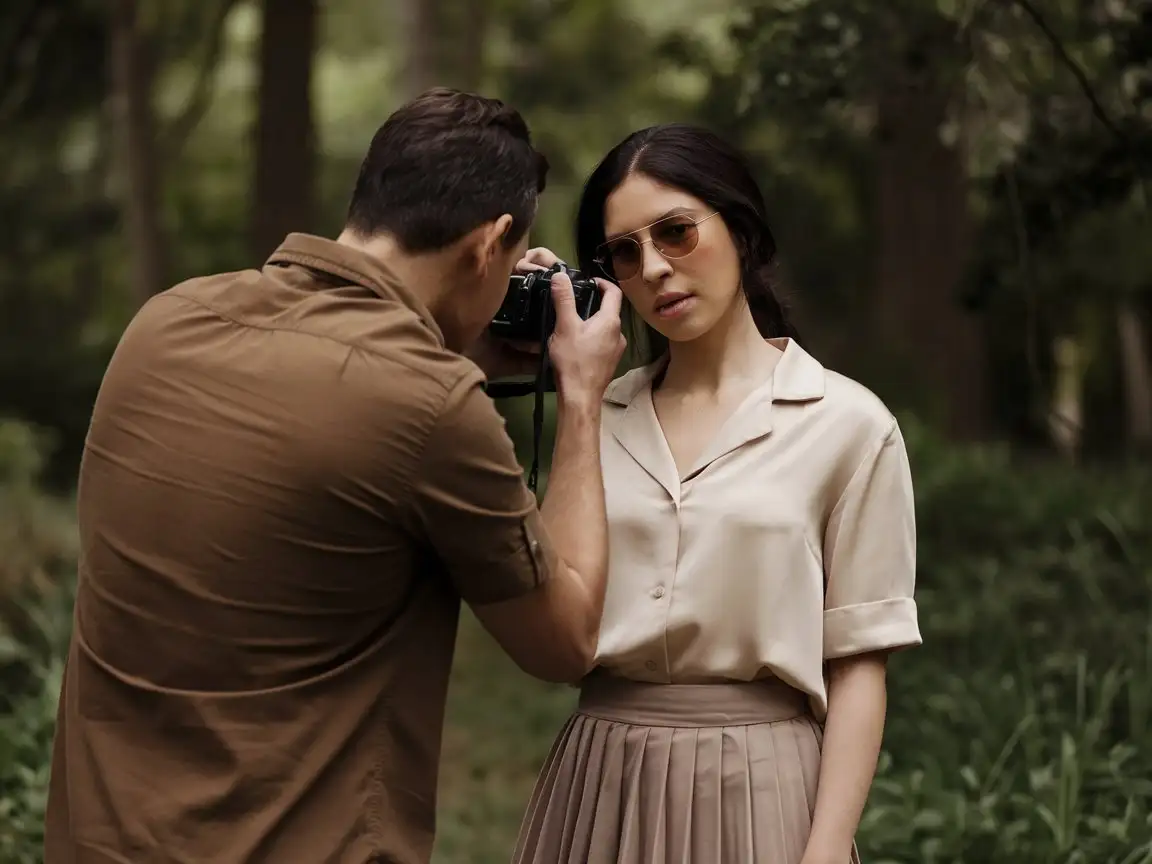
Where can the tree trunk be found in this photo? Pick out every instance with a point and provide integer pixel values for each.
(935, 348)
(470, 38)
(423, 28)
(1066, 415)
(1137, 367)
(284, 185)
(445, 44)
(134, 122)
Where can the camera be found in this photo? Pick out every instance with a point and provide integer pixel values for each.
(527, 313)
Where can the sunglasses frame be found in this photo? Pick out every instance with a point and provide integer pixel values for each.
(600, 259)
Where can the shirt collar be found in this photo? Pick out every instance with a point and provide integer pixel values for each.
(798, 377)
(354, 266)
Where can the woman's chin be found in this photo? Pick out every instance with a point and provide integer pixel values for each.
(684, 329)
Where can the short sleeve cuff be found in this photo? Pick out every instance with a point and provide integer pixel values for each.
(877, 626)
(533, 563)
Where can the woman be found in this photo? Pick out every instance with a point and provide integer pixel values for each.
(762, 548)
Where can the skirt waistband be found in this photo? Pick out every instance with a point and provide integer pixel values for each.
(690, 705)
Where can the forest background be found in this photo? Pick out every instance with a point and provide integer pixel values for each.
(960, 190)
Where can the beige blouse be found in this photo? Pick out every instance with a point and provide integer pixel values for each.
(792, 540)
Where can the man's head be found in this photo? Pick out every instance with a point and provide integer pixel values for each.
(450, 184)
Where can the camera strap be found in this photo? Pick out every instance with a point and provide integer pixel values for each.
(538, 417)
(506, 389)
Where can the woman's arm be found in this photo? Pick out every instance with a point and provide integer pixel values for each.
(857, 700)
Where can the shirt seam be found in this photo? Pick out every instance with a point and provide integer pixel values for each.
(870, 456)
(433, 428)
(323, 337)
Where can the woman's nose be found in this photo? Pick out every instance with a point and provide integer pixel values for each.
(654, 266)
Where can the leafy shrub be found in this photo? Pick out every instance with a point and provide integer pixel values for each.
(1020, 731)
(37, 548)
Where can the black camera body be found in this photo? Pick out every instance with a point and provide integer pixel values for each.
(527, 313)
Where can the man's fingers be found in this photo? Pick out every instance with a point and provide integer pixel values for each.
(564, 300)
(542, 256)
(611, 296)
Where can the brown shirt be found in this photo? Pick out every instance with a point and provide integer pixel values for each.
(288, 485)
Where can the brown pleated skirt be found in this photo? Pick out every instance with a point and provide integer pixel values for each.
(677, 774)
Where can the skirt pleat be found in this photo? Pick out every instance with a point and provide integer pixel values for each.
(677, 774)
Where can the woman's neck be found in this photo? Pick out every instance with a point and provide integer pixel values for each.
(732, 355)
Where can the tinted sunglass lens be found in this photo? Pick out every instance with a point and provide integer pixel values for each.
(625, 258)
(676, 239)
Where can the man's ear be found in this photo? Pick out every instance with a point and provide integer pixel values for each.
(493, 236)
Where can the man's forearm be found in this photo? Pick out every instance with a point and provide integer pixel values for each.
(573, 506)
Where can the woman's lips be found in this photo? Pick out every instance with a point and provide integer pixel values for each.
(674, 304)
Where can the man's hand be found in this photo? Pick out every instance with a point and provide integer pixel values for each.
(538, 258)
(585, 353)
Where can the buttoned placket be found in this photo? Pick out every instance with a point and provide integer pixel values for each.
(796, 379)
(641, 435)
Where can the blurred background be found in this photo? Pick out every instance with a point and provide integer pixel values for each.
(960, 190)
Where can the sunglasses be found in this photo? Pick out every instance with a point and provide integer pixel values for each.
(673, 237)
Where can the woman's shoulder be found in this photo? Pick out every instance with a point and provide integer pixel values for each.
(857, 428)
(848, 400)
(843, 407)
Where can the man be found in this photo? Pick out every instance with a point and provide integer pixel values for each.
(291, 479)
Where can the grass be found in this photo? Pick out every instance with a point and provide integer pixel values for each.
(1020, 733)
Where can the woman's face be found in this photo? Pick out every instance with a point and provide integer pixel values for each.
(683, 292)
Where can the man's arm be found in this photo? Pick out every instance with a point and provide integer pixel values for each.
(535, 579)
(573, 508)
(564, 614)
(584, 355)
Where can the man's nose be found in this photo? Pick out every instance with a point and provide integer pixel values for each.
(654, 265)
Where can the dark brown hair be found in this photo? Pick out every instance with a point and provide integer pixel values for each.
(704, 165)
(443, 164)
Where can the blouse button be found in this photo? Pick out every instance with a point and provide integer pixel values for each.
(658, 592)
(650, 665)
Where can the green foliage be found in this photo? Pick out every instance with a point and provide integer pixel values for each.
(26, 728)
(1020, 732)
(37, 552)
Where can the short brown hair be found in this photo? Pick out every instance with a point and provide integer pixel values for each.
(443, 164)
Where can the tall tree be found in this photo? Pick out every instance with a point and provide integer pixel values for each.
(924, 227)
(133, 65)
(1076, 195)
(445, 44)
(284, 156)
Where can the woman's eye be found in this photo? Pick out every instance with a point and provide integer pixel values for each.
(675, 231)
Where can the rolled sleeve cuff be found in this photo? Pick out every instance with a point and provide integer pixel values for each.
(532, 564)
(877, 626)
